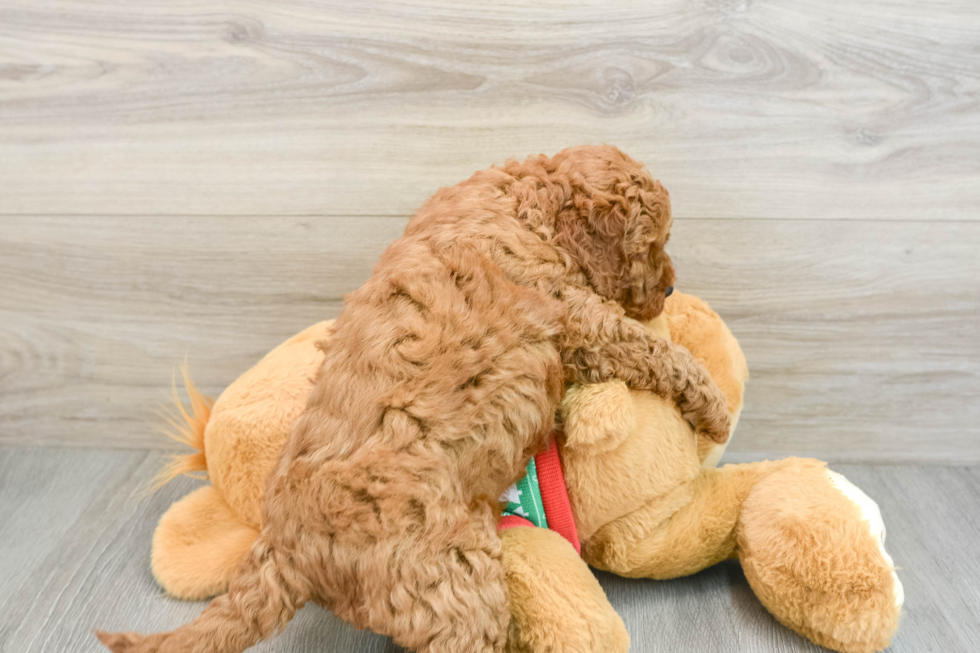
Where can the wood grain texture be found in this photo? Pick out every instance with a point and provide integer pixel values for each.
(860, 336)
(96, 313)
(75, 534)
(789, 110)
(931, 516)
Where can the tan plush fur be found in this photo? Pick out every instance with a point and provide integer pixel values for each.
(199, 544)
(644, 503)
(439, 382)
(556, 602)
(843, 593)
(249, 426)
(203, 538)
(240, 452)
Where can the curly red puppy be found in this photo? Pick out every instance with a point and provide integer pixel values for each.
(441, 381)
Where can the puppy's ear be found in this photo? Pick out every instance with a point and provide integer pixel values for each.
(593, 230)
(615, 225)
(597, 415)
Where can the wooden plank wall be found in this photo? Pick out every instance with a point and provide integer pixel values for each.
(203, 179)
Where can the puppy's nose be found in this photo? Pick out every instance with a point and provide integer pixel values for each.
(668, 291)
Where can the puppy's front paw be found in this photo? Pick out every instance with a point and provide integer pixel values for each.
(719, 429)
(712, 420)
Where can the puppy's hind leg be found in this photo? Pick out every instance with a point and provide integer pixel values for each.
(448, 591)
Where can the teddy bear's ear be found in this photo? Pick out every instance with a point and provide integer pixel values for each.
(597, 415)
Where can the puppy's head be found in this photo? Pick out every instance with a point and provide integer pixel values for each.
(615, 225)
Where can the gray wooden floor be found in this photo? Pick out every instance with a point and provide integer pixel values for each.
(75, 529)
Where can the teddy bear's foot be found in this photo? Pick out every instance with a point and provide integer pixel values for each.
(556, 604)
(811, 546)
(198, 546)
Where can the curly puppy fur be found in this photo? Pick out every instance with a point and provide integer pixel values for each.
(441, 381)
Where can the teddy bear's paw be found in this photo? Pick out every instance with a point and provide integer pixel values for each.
(198, 546)
(557, 605)
(811, 546)
(565, 637)
(876, 525)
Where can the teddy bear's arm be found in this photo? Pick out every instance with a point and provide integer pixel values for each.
(602, 344)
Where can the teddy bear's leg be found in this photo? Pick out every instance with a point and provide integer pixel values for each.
(198, 546)
(811, 546)
(682, 532)
(556, 603)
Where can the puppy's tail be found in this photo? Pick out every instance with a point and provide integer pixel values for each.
(259, 604)
(186, 428)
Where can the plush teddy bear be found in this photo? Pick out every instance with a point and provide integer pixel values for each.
(625, 486)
